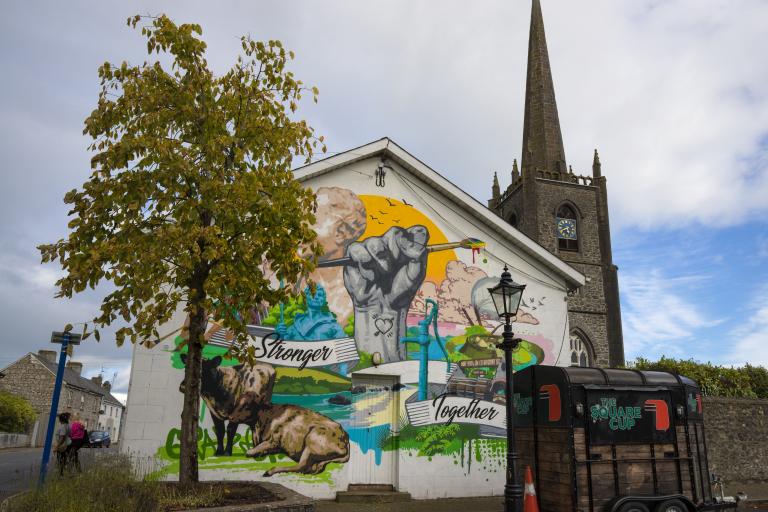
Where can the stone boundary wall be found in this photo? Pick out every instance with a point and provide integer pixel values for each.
(8, 440)
(737, 438)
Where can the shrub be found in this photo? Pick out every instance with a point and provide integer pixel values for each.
(16, 413)
(745, 382)
(107, 484)
(112, 482)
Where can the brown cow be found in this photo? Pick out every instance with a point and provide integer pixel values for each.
(307, 437)
(233, 394)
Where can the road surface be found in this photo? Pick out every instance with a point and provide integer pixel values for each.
(19, 468)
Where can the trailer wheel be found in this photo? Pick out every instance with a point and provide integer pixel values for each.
(672, 506)
(633, 506)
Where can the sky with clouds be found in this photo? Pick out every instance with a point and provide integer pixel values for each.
(673, 93)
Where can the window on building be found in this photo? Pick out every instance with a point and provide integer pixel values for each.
(513, 220)
(581, 351)
(566, 229)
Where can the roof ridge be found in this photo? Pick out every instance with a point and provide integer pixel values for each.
(72, 378)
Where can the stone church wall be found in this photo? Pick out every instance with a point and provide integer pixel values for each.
(587, 308)
(552, 194)
(736, 430)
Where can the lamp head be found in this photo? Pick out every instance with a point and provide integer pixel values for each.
(506, 295)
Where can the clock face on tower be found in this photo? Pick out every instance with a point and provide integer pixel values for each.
(566, 228)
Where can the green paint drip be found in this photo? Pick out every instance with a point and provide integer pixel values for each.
(244, 464)
(202, 411)
(469, 457)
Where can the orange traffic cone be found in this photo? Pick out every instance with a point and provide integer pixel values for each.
(529, 503)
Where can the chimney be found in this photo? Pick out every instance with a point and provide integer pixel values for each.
(75, 367)
(48, 355)
(96, 380)
(107, 386)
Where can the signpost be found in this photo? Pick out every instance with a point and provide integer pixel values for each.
(65, 338)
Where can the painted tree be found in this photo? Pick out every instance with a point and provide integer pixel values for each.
(191, 192)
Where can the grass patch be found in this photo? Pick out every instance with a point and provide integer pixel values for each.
(105, 484)
(111, 483)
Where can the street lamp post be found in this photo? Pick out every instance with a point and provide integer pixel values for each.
(506, 298)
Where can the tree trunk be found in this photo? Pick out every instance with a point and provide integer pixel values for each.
(190, 414)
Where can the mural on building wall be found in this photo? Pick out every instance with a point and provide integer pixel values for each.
(394, 296)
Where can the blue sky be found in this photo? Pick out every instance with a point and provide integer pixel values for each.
(695, 292)
(673, 93)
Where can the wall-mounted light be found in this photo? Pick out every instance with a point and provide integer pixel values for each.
(376, 359)
(680, 411)
(381, 172)
(579, 409)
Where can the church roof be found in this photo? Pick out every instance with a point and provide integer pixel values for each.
(542, 138)
(387, 148)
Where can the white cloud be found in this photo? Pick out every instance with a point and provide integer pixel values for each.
(28, 273)
(750, 340)
(658, 319)
(116, 371)
(673, 93)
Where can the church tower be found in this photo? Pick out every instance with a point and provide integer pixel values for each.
(564, 212)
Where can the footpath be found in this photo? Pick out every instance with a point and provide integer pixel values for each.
(494, 504)
(757, 494)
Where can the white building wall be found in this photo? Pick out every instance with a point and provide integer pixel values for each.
(472, 467)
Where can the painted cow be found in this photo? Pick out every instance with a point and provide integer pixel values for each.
(309, 438)
(233, 394)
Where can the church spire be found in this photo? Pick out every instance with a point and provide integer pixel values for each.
(596, 167)
(542, 140)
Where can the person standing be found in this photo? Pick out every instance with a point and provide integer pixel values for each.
(63, 441)
(77, 434)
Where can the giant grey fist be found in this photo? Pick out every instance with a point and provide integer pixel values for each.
(383, 277)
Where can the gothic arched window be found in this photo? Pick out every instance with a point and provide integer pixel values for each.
(513, 220)
(566, 229)
(581, 351)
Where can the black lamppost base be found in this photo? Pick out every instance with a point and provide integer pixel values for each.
(513, 490)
